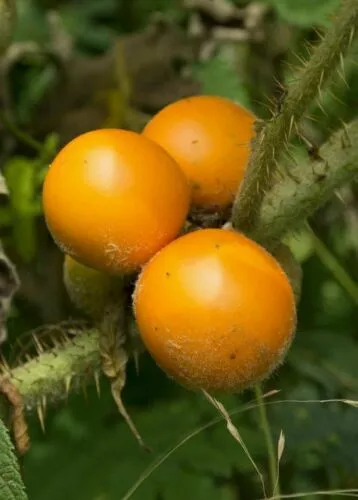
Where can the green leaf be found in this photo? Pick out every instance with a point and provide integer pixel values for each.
(5, 216)
(11, 485)
(22, 179)
(83, 22)
(39, 81)
(19, 174)
(31, 23)
(219, 76)
(305, 12)
(97, 457)
(24, 237)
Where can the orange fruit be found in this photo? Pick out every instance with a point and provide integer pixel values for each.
(215, 310)
(113, 198)
(209, 137)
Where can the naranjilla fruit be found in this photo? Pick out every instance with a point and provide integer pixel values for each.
(209, 137)
(89, 290)
(215, 310)
(113, 198)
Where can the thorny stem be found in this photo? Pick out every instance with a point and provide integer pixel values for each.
(51, 374)
(272, 459)
(311, 184)
(272, 138)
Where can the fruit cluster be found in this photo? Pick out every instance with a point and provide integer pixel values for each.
(214, 309)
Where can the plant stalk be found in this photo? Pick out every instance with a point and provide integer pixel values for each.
(272, 138)
(312, 183)
(51, 374)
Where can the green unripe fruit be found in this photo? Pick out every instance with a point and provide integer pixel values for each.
(89, 290)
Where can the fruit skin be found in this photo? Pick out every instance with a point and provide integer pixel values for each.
(215, 310)
(89, 290)
(112, 198)
(209, 137)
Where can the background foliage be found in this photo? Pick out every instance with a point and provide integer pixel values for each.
(77, 65)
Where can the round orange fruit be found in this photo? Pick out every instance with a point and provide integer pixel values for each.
(113, 198)
(215, 310)
(209, 137)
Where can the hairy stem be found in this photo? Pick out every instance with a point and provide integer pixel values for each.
(50, 375)
(273, 137)
(272, 460)
(311, 184)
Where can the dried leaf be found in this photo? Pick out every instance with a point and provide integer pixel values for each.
(18, 421)
(280, 446)
(350, 402)
(3, 187)
(114, 356)
(235, 433)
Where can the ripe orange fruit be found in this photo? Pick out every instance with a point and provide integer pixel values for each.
(113, 198)
(215, 310)
(209, 137)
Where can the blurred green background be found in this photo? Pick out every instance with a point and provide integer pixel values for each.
(78, 65)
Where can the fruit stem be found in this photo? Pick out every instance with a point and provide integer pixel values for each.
(272, 137)
(272, 460)
(310, 185)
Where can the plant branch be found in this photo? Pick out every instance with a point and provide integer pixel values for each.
(310, 185)
(272, 138)
(50, 375)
